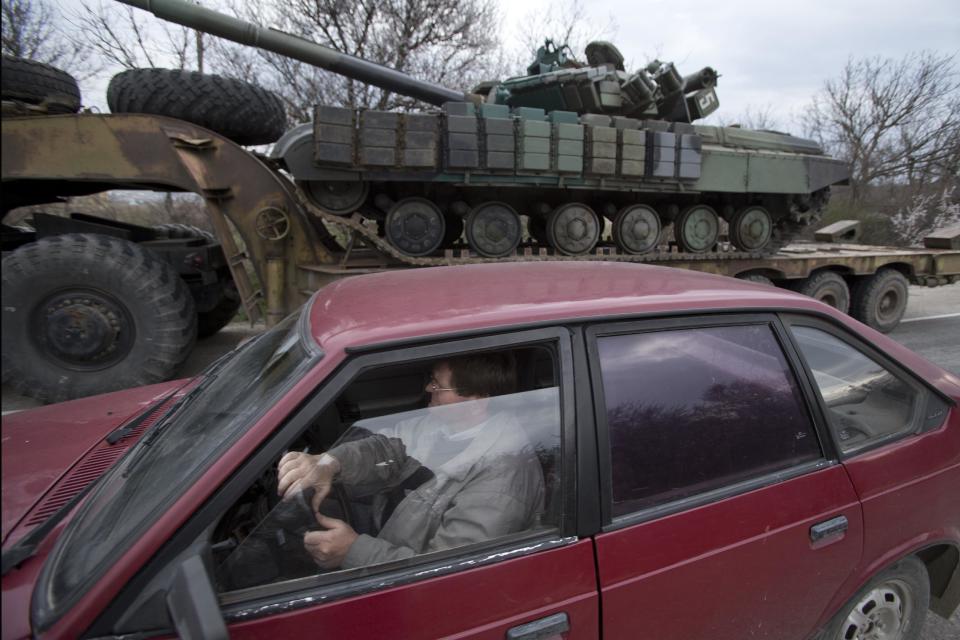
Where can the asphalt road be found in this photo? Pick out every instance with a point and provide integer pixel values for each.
(931, 327)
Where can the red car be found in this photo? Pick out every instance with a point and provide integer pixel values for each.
(516, 451)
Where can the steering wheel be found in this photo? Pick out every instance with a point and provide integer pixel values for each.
(274, 549)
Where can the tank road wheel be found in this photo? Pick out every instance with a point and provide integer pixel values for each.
(493, 229)
(415, 226)
(338, 197)
(636, 229)
(697, 228)
(573, 229)
(751, 229)
(880, 300)
(86, 314)
(827, 287)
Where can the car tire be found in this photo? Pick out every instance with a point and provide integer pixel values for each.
(827, 287)
(879, 301)
(37, 83)
(210, 322)
(899, 596)
(176, 231)
(86, 314)
(240, 111)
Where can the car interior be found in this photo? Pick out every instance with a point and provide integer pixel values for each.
(259, 539)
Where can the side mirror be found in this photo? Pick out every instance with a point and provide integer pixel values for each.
(193, 604)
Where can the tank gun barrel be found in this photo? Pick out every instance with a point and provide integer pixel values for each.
(230, 28)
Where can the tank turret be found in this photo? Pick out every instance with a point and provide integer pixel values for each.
(574, 159)
(556, 81)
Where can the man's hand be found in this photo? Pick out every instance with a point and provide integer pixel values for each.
(329, 548)
(298, 471)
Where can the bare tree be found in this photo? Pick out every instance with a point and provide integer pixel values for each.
(893, 120)
(449, 42)
(127, 38)
(565, 24)
(33, 30)
(752, 117)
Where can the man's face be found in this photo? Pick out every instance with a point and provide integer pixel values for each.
(440, 386)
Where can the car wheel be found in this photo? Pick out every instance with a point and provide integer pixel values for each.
(891, 607)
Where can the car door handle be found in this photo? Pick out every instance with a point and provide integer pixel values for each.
(551, 626)
(828, 529)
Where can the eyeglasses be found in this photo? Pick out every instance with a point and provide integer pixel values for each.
(433, 386)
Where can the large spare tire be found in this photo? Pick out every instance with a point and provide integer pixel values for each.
(243, 112)
(38, 83)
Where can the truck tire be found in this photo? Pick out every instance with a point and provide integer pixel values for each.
(86, 314)
(245, 113)
(37, 83)
(211, 321)
(880, 300)
(827, 287)
(178, 231)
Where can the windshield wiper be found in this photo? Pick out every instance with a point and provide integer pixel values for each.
(151, 436)
(26, 547)
(123, 431)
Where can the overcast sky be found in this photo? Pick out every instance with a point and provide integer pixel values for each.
(772, 56)
(767, 52)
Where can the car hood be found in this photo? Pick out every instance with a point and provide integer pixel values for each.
(41, 445)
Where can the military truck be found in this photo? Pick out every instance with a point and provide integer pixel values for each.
(86, 329)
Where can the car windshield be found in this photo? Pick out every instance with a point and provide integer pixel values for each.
(232, 394)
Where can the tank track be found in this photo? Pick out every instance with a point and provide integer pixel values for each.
(354, 224)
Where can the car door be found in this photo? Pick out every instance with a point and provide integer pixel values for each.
(727, 514)
(888, 428)
(532, 583)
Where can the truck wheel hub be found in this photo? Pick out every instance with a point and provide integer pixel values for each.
(84, 330)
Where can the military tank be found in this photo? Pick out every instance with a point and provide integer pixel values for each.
(564, 147)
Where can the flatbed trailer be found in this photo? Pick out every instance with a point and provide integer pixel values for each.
(280, 247)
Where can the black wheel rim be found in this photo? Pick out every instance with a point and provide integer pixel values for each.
(493, 229)
(573, 229)
(637, 229)
(697, 229)
(83, 329)
(336, 197)
(415, 226)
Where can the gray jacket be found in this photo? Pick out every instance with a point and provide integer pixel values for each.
(490, 487)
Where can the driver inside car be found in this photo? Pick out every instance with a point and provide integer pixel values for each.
(460, 472)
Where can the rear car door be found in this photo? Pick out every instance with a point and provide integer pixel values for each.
(727, 514)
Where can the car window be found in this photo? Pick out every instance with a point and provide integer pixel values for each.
(433, 456)
(693, 410)
(866, 402)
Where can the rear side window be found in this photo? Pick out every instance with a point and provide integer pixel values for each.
(866, 403)
(697, 409)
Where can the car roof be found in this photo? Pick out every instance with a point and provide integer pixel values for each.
(412, 303)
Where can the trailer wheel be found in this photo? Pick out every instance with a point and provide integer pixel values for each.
(827, 287)
(86, 314)
(178, 231)
(880, 300)
(210, 322)
(756, 277)
(243, 112)
(37, 83)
